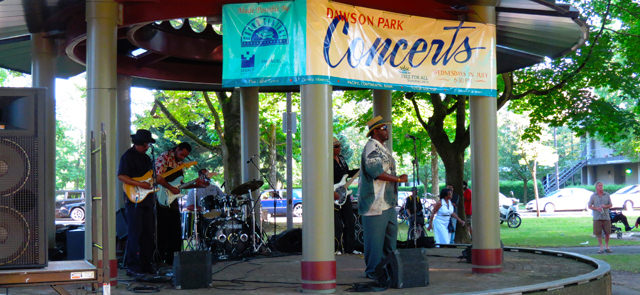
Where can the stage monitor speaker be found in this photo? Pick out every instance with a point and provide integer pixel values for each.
(22, 148)
(192, 269)
(405, 268)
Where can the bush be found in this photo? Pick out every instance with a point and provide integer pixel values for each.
(508, 186)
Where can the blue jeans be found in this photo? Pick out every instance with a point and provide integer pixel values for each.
(380, 237)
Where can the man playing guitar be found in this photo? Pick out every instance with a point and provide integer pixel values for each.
(344, 220)
(135, 163)
(169, 229)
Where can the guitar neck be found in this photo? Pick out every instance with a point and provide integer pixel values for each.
(180, 167)
(352, 179)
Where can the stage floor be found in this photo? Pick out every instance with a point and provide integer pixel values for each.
(448, 275)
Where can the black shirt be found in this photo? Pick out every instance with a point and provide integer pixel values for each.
(135, 164)
(340, 168)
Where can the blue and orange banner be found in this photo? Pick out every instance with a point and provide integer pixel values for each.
(361, 47)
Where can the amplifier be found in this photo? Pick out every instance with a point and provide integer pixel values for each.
(192, 269)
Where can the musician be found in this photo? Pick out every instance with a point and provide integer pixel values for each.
(169, 228)
(140, 219)
(378, 189)
(208, 189)
(343, 218)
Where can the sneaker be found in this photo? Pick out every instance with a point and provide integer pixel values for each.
(370, 276)
(338, 253)
(600, 251)
(608, 251)
(356, 252)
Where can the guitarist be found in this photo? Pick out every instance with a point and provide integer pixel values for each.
(169, 228)
(140, 218)
(343, 218)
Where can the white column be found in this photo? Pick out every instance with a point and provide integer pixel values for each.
(382, 107)
(318, 260)
(250, 138)
(486, 252)
(102, 16)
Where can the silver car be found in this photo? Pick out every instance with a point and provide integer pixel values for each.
(574, 198)
(626, 197)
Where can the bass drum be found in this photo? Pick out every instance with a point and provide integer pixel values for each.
(228, 238)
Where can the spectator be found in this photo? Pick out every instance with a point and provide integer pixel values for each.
(466, 193)
(600, 202)
(441, 217)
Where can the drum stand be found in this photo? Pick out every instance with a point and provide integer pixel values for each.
(260, 243)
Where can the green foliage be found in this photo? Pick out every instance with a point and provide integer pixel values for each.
(190, 109)
(596, 90)
(70, 158)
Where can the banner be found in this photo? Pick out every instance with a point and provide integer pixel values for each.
(360, 47)
(262, 43)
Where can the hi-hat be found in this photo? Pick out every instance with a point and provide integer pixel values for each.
(246, 187)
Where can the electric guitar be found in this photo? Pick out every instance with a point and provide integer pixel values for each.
(342, 188)
(136, 194)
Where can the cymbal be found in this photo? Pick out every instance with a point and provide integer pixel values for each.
(246, 187)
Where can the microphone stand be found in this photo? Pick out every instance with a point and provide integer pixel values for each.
(274, 191)
(414, 190)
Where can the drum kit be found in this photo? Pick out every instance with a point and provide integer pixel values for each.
(224, 224)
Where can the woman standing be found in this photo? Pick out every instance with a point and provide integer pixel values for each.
(442, 213)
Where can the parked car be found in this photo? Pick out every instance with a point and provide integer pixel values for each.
(268, 198)
(70, 204)
(626, 197)
(563, 199)
(506, 201)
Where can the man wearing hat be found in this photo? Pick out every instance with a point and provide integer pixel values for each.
(378, 196)
(344, 221)
(140, 241)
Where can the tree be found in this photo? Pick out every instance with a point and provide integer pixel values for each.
(194, 123)
(529, 153)
(70, 160)
(558, 92)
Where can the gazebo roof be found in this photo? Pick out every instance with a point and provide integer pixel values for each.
(527, 32)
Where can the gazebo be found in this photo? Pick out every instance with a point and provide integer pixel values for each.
(131, 43)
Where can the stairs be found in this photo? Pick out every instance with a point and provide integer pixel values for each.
(549, 183)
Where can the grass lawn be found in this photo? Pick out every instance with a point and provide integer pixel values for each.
(555, 232)
(561, 232)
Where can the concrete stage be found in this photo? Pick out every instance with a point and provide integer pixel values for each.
(530, 271)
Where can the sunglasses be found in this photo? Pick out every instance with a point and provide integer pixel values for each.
(384, 127)
(336, 146)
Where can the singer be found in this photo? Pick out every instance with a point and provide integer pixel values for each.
(378, 196)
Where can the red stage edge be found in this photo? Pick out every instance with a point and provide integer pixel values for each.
(113, 269)
(318, 276)
(486, 260)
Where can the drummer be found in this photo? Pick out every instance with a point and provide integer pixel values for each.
(209, 190)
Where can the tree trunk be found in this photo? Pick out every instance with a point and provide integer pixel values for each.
(534, 168)
(525, 190)
(454, 169)
(231, 148)
(434, 171)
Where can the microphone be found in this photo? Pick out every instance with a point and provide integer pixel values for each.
(251, 159)
(410, 136)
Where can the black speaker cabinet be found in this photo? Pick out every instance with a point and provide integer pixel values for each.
(22, 129)
(407, 268)
(192, 269)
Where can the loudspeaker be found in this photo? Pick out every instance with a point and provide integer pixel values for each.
(192, 269)
(404, 268)
(22, 167)
(289, 241)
